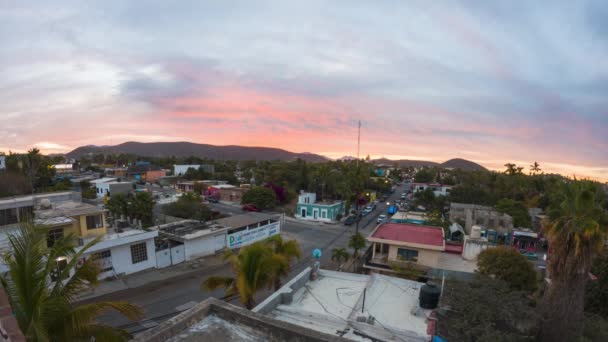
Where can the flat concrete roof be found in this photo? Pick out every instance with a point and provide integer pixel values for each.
(217, 321)
(238, 221)
(332, 304)
(104, 180)
(66, 209)
(190, 229)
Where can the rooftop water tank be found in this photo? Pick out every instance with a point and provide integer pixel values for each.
(429, 296)
(475, 232)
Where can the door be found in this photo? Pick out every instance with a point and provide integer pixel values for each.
(178, 254)
(163, 258)
(315, 212)
(303, 212)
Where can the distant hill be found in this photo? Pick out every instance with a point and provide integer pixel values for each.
(405, 162)
(187, 149)
(458, 163)
(455, 163)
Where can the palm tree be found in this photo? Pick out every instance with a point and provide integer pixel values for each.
(577, 230)
(356, 242)
(43, 283)
(254, 268)
(290, 250)
(534, 168)
(339, 255)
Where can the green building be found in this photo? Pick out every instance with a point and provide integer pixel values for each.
(309, 209)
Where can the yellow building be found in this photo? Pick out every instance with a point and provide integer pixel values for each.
(71, 217)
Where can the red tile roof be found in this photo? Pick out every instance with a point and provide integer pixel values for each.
(410, 233)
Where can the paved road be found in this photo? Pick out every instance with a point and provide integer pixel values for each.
(162, 300)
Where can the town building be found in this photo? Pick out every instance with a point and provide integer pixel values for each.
(472, 214)
(2, 162)
(145, 172)
(118, 172)
(188, 186)
(227, 192)
(65, 169)
(308, 208)
(438, 189)
(119, 250)
(356, 307)
(189, 239)
(414, 217)
(217, 321)
(180, 170)
(251, 227)
(111, 186)
(424, 247)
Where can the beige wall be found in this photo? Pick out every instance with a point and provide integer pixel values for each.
(82, 227)
(426, 257)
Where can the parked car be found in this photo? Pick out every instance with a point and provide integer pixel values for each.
(251, 207)
(366, 211)
(350, 220)
(212, 199)
(530, 255)
(381, 218)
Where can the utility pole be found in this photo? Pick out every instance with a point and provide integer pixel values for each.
(358, 166)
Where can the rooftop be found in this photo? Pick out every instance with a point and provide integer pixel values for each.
(189, 229)
(223, 186)
(332, 305)
(65, 209)
(217, 321)
(103, 180)
(242, 220)
(422, 236)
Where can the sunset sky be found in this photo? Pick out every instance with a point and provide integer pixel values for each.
(489, 81)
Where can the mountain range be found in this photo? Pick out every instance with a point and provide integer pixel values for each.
(234, 152)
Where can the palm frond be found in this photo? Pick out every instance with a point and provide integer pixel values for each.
(213, 283)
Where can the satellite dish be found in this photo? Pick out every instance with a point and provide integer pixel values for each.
(316, 253)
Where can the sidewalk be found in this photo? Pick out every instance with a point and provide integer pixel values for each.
(142, 278)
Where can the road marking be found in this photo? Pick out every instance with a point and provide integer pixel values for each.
(185, 306)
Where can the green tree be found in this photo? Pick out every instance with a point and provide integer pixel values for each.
(141, 207)
(425, 175)
(290, 250)
(188, 206)
(87, 190)
(261, 197)
(517, 210)
(340, 255)
(356, 242)
(46, 310)
(513, 169)
(535, 168)
(485, 309)
(576, 230)
(118, 205)
(254, 269)
(507, 264)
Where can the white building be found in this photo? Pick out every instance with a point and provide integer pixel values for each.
(189, 239)
(438, 189)
(122, 252)
(112, 188)
(353, 306)
(2, 162)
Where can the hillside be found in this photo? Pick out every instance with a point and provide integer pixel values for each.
(455, 163)
(458, 163)
(187, 149)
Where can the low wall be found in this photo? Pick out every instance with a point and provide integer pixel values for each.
(285, 294)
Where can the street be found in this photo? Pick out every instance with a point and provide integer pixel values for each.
(162, 300)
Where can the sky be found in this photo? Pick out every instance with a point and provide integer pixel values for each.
(488, 81)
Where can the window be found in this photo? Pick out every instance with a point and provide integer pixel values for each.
(407, 254)
(139, 253)
(323, 214)
(104, 259)
(53, 235)
(94, 221)
(102, 255)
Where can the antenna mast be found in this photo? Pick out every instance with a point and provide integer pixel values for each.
(359, 140)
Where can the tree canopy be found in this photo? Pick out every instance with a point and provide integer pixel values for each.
(261, 197)
(509, 265)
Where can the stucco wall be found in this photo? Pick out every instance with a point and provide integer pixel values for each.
(425, 257)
